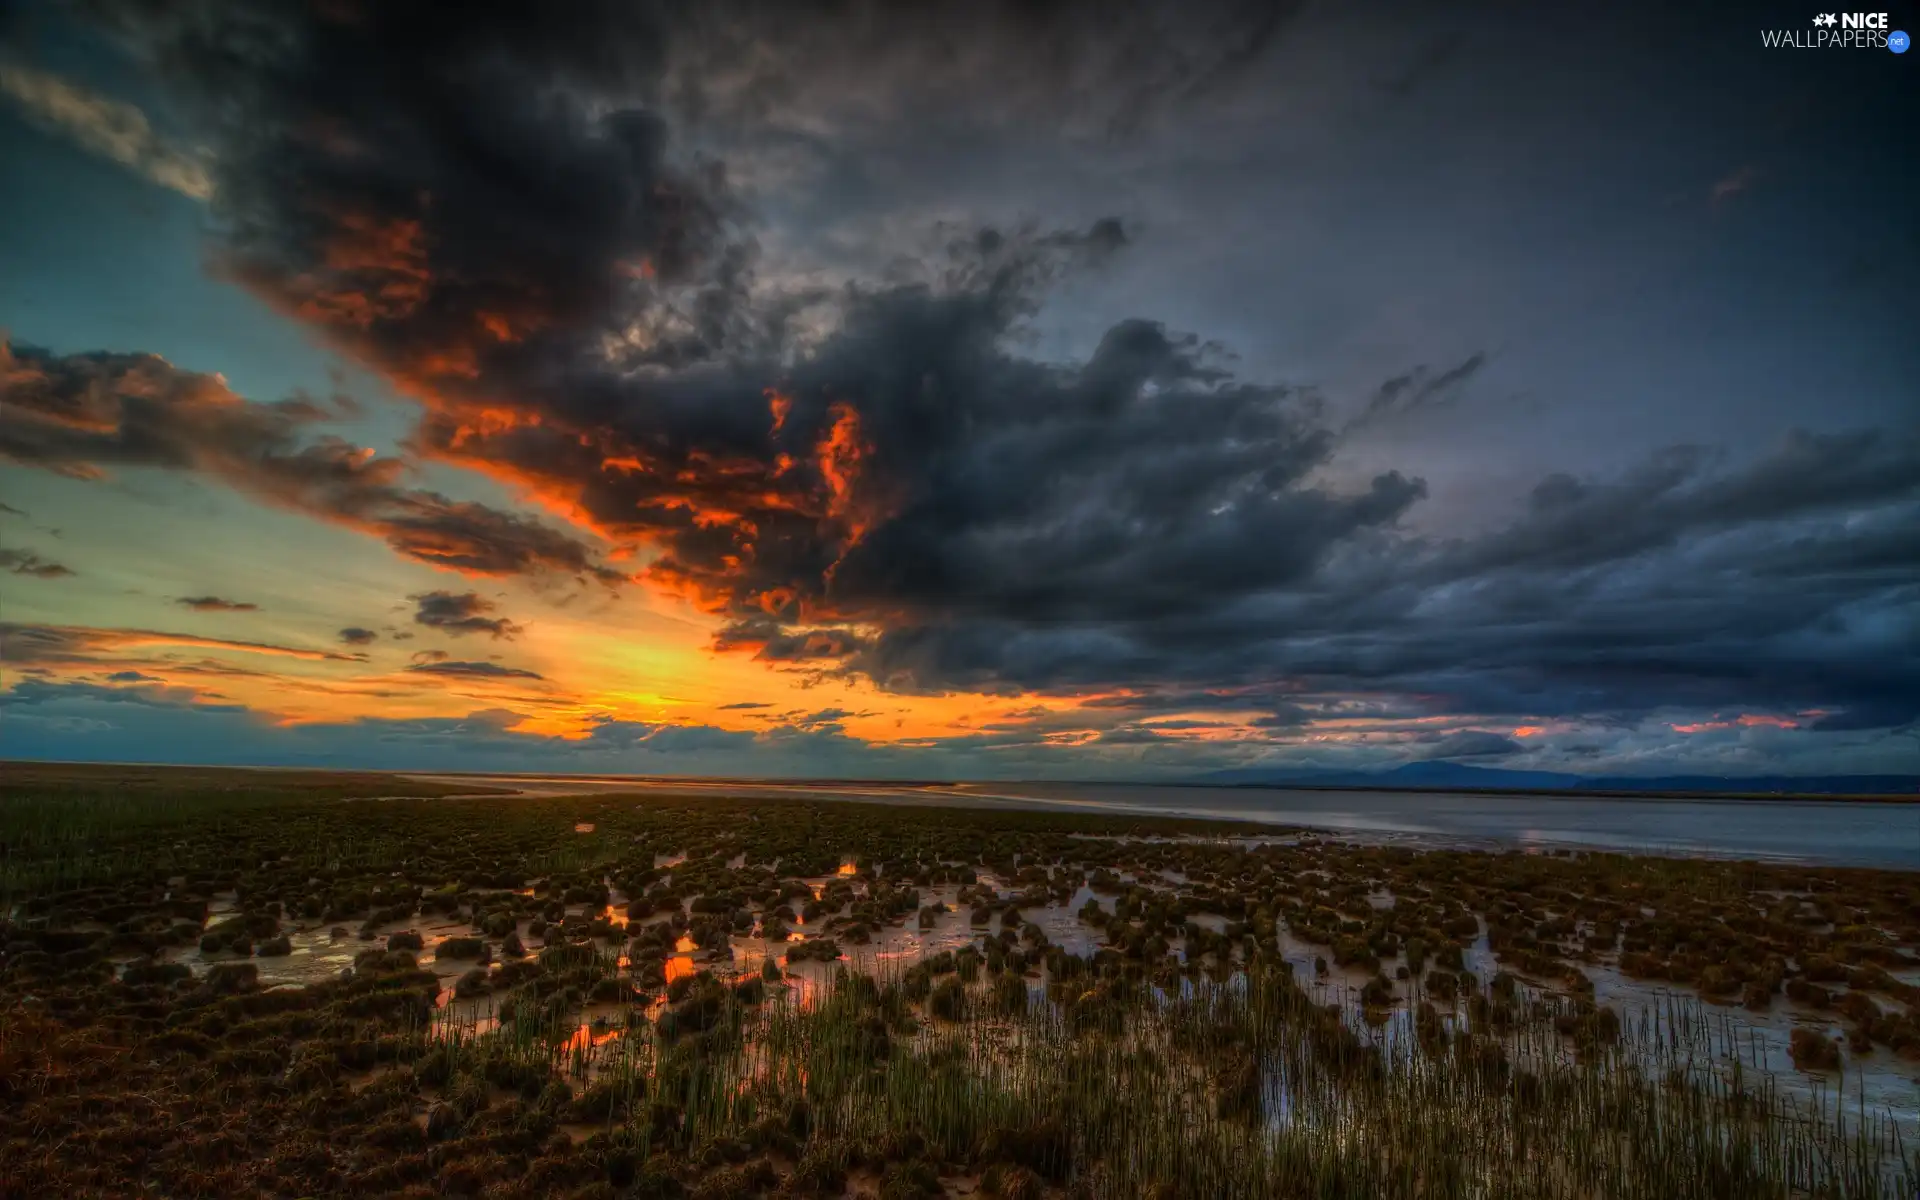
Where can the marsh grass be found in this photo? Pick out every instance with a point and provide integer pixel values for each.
(1180, 1055)
(1248, 1088)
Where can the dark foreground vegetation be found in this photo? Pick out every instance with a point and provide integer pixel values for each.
(222, 984)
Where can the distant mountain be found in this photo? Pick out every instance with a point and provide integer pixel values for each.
(1436, 773)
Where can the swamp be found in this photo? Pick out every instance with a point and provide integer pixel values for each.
(290, 984)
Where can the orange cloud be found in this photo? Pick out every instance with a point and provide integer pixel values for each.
(373, 270)
(1744, 720)
(72, 413)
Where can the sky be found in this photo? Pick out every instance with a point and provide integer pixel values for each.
(958, 390)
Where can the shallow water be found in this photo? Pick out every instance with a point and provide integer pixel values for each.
(1875, 1085)
(1823, 831)
(1837, 832)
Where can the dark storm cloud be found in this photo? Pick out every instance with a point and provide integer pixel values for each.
(215, 604)
(473, 670)
(457, 199)
(78, 414)
(25, 562)
(1091, 69)
(353, 635)
(770, 642)
(488, 210)
(888, 481)
(1686, 607)
(1575, 523)
(461, 613)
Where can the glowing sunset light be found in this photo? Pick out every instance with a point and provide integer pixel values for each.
(1018, 463)
(802, 597)
(1743, 721)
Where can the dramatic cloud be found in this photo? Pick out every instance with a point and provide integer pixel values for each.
(496, 220)
(1574, 523)
(520, 220)
(78, 414)
(460, 613)
(215, 604)
(109, 128)
(25, 562)
(353, 635)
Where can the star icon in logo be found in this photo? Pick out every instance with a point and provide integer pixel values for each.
(1826, 19)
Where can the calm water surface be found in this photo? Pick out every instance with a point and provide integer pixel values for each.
(1825, 831)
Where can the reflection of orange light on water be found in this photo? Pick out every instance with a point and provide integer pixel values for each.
(585, 1038)
(679, 967)
(805, 991)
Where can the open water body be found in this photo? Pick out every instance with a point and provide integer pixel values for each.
(1834, 832)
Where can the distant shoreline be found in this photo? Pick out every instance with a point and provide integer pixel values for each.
(957, 786)
(960, 788)
(1585, 793)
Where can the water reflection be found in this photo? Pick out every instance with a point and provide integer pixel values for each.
(589, 1036)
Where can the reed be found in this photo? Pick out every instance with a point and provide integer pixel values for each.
(610, 988)
(1254, 1087)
